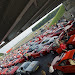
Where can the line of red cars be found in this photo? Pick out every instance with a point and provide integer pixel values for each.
(34, 49)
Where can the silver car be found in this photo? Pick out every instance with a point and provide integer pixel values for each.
(48, 41)
(28, 67)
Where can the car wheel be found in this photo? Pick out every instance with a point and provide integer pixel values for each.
(41, 54)
(18, 74)
(46, 52)
(32, 58)
(27, 73)
(58, 72)
(70, 46)
(52, 52)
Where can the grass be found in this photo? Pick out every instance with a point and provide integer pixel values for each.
(58, 15)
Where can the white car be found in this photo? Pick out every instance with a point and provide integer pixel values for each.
(28, 67)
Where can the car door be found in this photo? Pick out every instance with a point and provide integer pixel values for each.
(66, 68)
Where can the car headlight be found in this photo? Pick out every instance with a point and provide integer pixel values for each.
(51, 70)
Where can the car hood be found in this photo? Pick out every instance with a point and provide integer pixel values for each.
(69, 54)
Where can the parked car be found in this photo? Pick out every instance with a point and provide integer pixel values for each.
(28, 67)
(48, 41)
(65, 63)
(71, 42)
(36, 52)
(57, 32)
(10, 71)
(4, 71)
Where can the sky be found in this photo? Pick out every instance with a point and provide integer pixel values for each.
(22, 35)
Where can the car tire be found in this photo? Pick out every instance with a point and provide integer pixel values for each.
(70, 46)
(32, 58)
(46, 52)
(41, 54)
(58, 72)
(18, 74)
(27, 73)
(52, 52)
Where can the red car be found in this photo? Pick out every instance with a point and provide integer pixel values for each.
(36, 53)
(70, 29)
(39, 52)
(15, 61)
(4, 71)
(71, 42)
(19, 60)
(52, 48)
(69, 23)
(43, 51)
(10, 71)
(64, 63)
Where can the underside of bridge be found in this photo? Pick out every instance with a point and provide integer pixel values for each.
(17, 15)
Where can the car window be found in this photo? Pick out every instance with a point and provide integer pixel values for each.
(45, 41)
(63, 63)
(26, 65)
(74, 56)
(57, 31)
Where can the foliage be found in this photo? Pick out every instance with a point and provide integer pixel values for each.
(1, 54)
(50, 16)
(58, 15)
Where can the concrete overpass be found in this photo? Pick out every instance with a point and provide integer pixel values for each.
(17, 15)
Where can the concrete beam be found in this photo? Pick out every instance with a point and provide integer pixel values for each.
(35, 3)
(19, 18)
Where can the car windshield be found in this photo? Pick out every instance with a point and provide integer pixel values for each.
(45, 41)
(62, 55)
(26, 65)
(52, 39)
(58, 30)
(57, 58)
(40, 47)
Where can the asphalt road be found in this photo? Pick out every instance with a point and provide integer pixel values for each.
(43, 64)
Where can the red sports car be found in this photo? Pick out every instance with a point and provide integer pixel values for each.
(64, 63)
(71, 42)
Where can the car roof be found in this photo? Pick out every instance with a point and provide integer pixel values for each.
(25, 63)
(31, 66)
